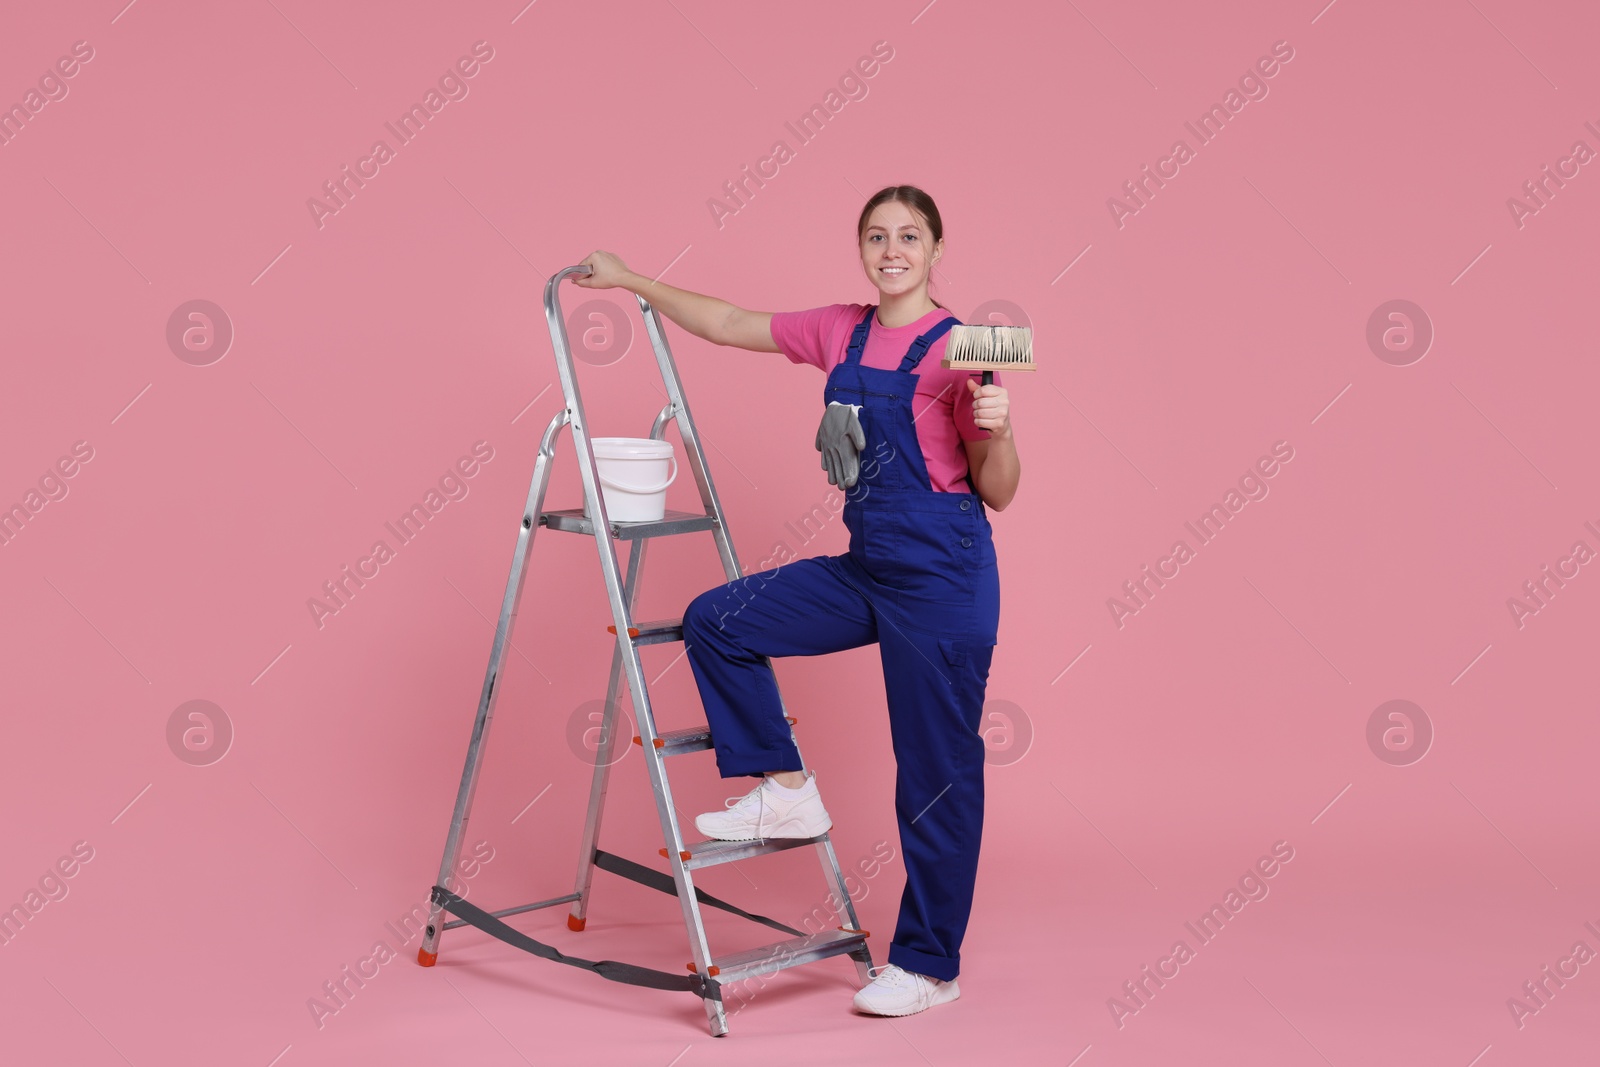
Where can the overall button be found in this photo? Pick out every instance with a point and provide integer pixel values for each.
(966, 505)
(966, 542)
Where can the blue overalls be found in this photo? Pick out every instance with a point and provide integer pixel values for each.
(920, 580)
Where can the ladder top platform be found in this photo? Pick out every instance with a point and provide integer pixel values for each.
(573, 520)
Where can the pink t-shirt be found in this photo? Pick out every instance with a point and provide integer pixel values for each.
(942, 403)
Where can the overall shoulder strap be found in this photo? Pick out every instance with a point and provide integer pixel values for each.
(858, 336)
(920, 346)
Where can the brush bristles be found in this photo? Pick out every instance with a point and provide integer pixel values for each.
(989, 348)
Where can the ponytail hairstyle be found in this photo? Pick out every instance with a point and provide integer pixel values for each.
(920, 203)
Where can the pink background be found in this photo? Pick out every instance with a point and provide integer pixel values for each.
(369, 354)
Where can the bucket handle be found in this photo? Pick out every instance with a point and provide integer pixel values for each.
(652, 489)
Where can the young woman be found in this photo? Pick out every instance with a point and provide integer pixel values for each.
(919, 579)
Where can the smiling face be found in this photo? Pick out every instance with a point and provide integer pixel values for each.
(896, 251)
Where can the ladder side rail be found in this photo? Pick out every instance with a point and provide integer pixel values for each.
(490, 693)
(594, 499)
(678, 405)
(606, 545)
(691, 438)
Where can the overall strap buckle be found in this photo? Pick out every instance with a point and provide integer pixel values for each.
(920, 346)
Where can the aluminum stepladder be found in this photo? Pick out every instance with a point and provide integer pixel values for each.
(708, 972)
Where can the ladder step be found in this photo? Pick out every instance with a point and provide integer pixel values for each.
(654, 633)
(678, 742)
(710, 853)
(791, 953)
(573, 520)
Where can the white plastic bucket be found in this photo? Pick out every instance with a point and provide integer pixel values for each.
(634, 475)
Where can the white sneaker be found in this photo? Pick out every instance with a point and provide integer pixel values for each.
(894, 991)
(764, 812)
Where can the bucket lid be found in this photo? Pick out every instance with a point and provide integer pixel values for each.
(630, 448)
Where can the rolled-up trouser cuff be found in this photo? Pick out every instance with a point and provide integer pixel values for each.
(943, 968)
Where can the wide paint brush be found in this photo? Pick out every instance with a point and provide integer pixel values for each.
(989, 348)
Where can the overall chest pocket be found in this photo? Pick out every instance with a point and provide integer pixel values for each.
(920, 554)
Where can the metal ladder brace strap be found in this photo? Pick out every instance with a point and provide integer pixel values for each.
(658, 880)
(631, 973)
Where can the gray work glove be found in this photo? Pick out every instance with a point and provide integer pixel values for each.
(840, 439)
